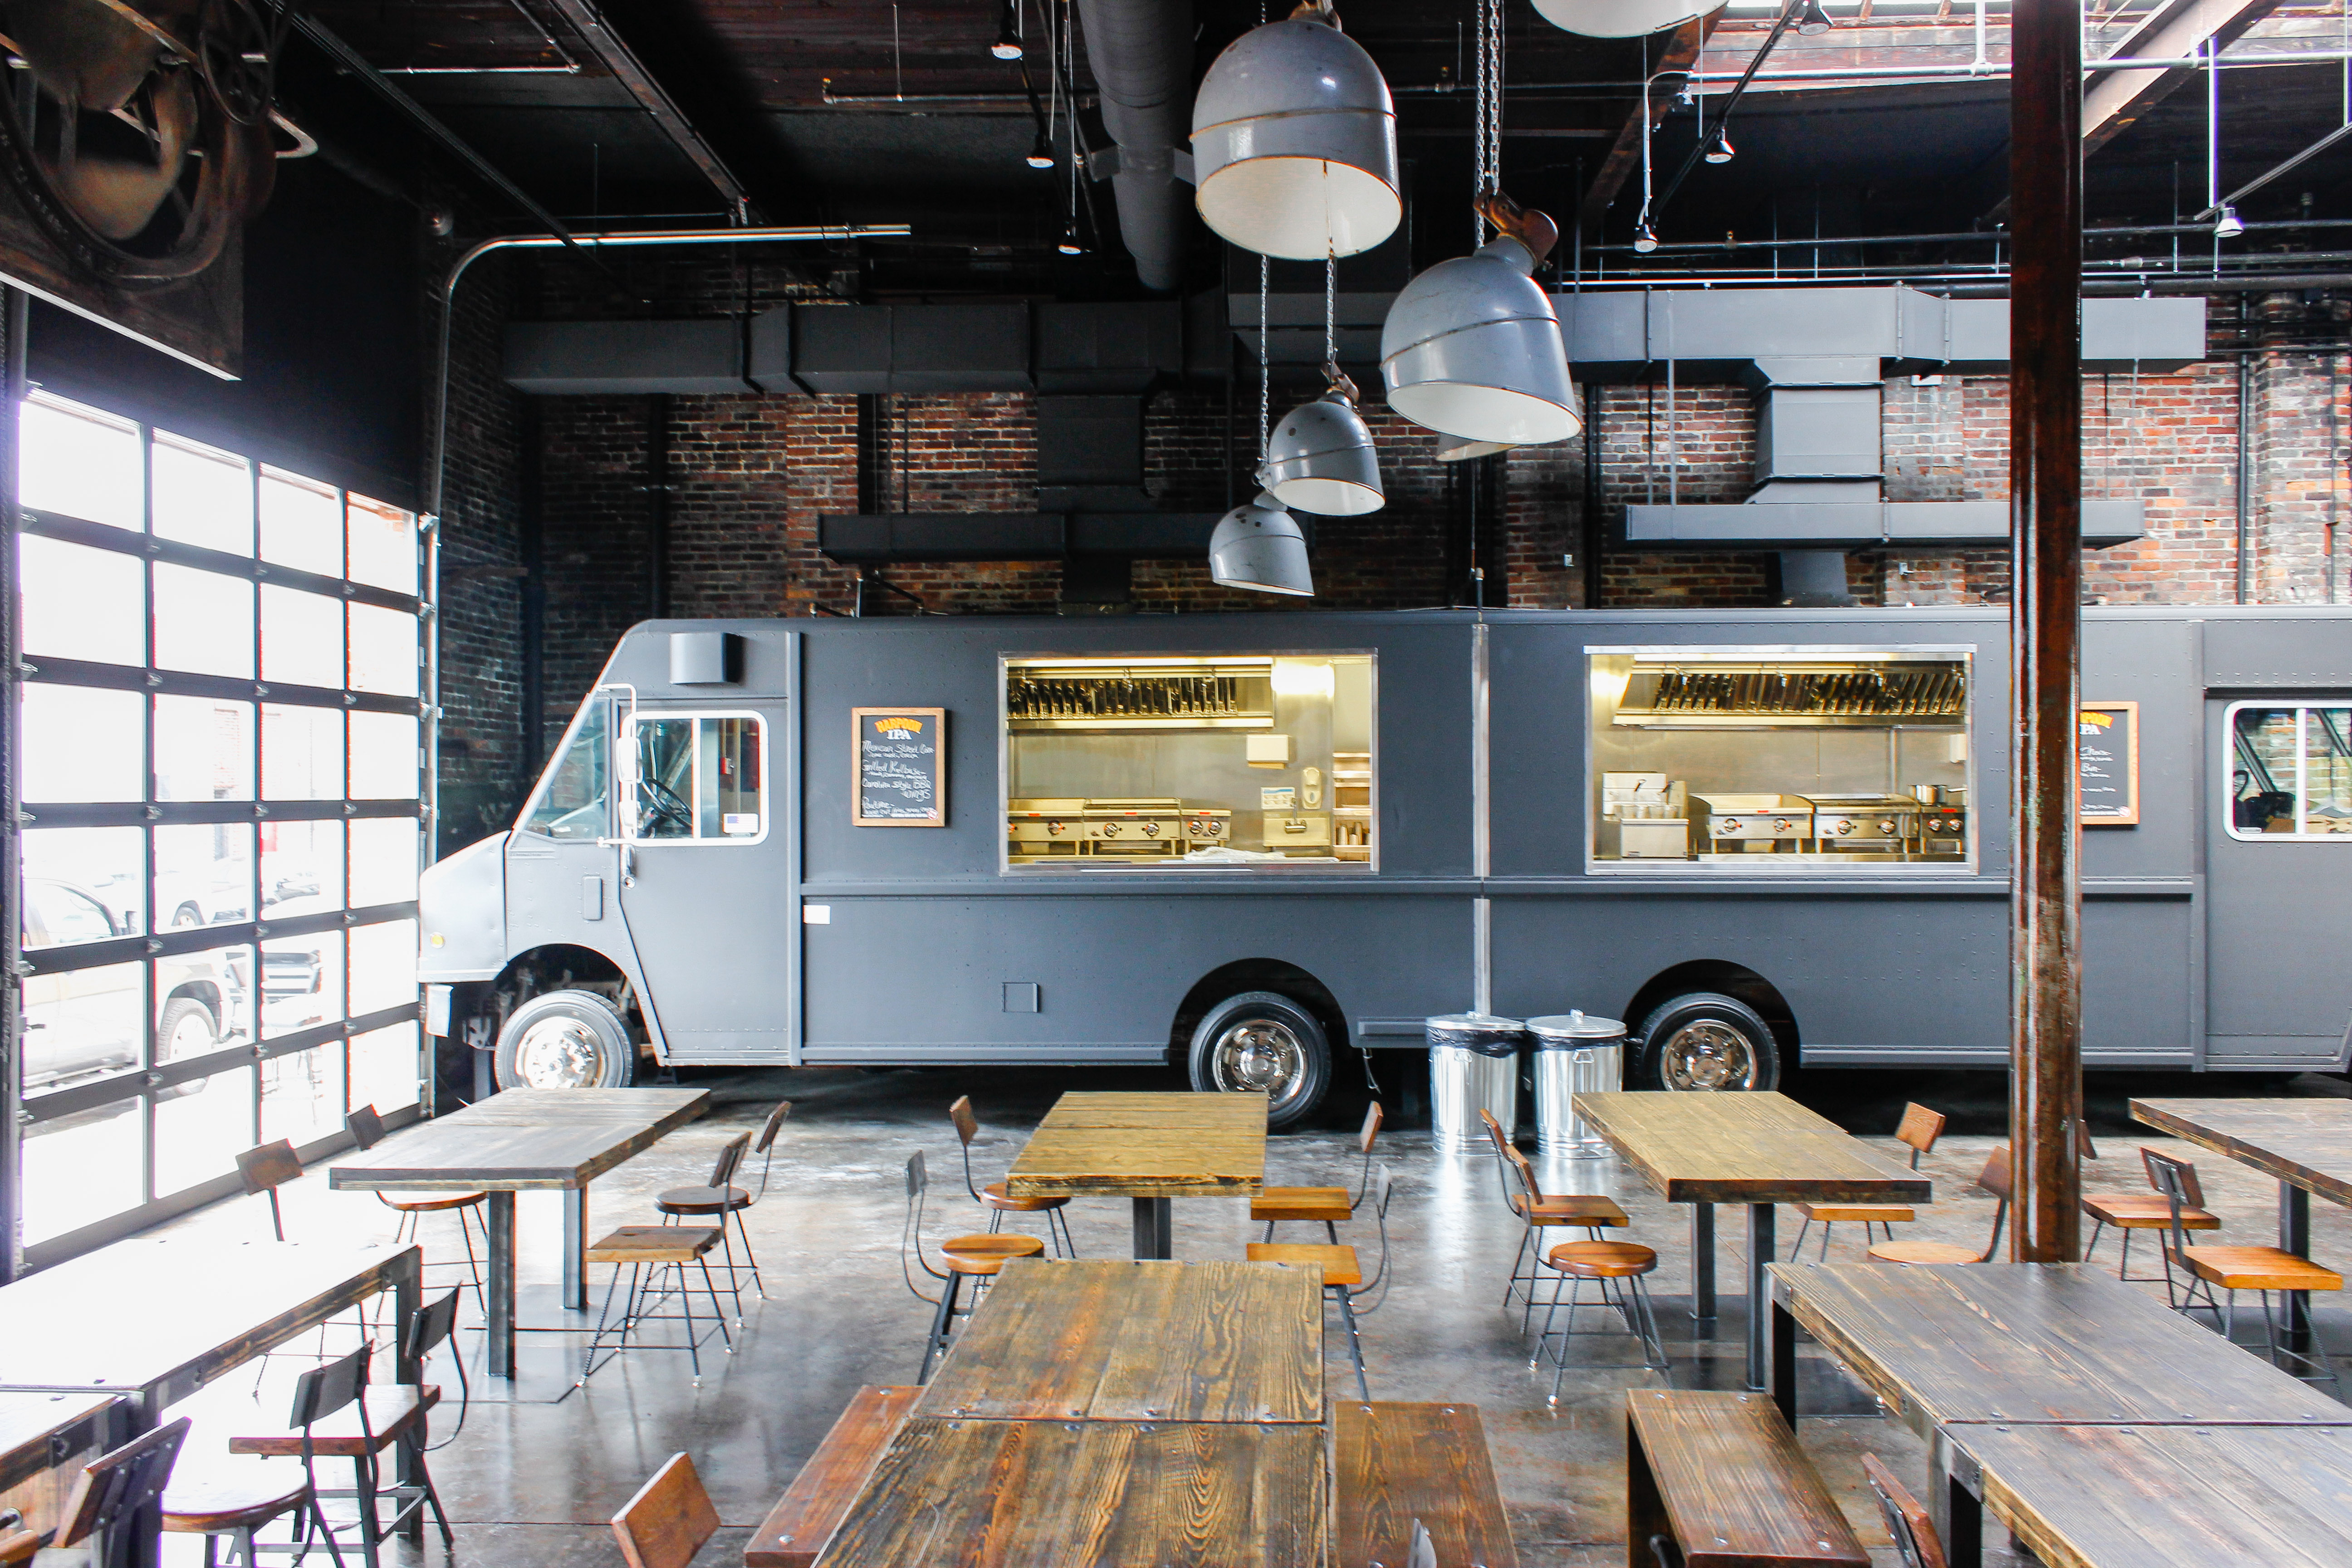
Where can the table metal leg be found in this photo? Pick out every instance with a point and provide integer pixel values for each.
(500, 1223)
(1954, 1506)
(1154, 1228)
(2294, 1235)
(1759, 1256)
(575, 1247)
(1784, 1364)
(1703, 1262)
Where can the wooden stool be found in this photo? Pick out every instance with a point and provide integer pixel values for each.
(996, 1200)
(653, 1253)
(1994, 1179)
(669, 1519)
(1343, 1276)
(1325, 1205)
(1617, 1267)
(2150, 1210)
(1919, 1130)
(975, 1257)
(1538, 1209)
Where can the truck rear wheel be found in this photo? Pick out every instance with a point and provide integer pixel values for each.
(566, 1039)
(1707, 1042)
(1263, 1041)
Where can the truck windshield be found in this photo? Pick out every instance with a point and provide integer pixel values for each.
(571, 803)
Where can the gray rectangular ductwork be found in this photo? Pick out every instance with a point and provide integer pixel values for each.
(841, 348)
(579, 358)
(911, 537)
(1862, 524)
(1107, 347)
(703, 659)
(1817, 433)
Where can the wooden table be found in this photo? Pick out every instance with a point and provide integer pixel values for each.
(2161, 1496)
(40, 1431)
(1148, 1147)
(1138, 1342)
(1758, 1149)
(546, 1143)
(2306, 1144)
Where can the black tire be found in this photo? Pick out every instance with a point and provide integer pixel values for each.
(1707, 1041)
(178, 1013)
(1263, 1040)
(566, 1039)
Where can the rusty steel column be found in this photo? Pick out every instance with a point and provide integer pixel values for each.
(2045, 620)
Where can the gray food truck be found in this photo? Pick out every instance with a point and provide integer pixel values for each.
(1251, 843)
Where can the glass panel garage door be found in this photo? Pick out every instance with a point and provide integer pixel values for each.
(221, 797)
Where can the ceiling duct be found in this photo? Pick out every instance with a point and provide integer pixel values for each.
(1141, 55)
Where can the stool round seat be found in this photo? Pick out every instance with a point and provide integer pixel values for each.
(1924, 1252)
(432, 1203)
(702, 1200)
(987, 1254)
(1601, 1260)
(234, 1496)
(994, 1196)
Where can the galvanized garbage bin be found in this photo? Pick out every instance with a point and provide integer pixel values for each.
(1576, 1053)
(1474, 1066)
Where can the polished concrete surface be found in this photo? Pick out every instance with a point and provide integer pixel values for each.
(538, 1468)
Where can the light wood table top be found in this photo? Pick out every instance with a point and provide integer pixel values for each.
(2304, 1142)
(1761, 1148)
(2028, 1343)
(667, 1107)
(1051, 1494)
(2162, 1497)
(455, 1155)
(28, 1422)
(1145, 1146)
(1102, 1341)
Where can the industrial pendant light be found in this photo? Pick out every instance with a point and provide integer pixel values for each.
(1622, 18)
(1470, 348)
(1321, 458)
(1258, 545)
(1294, 142)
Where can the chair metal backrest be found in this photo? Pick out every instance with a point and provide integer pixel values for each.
(910, 1240)
(116, 1485)
(1384, 1189)
(321, 1392)
(2175, 1178)
(722, 1169)
(265, 1170)
(1995, 1179)
(2192, 1191)
(765, 1146)
(669, 1519)
(365, 1127)
(1502, 1158)
(1527, 1174)
(432, 1326)
(1917, 1544)
(967, 1126)
(1373, 1116)
(1919, 1129)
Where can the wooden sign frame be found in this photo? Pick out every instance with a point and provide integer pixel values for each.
(2129, 817)
(937, 718)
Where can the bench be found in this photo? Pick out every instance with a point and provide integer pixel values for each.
(804, 1519)
(1398, 1463)
(1718, 1481)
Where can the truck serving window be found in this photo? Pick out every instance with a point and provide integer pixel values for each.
(571, 803)
(1779, 760)
(698, 779)
(1188, 762)
(2290, 771)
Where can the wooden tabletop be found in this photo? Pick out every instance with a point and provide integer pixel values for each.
(28, 1422)
(464, 1152)
(1145, 1146)
(1050, 1494)
(2306, 1142)
(2033, 1342)
(1761, 1148)
(669, 1108)
(1104, 1341)
(171, 1315)
(2161, 1496)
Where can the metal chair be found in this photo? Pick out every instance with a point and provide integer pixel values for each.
(1994, 1179)
(999, 1201)
(109, 1493)
(428, 1331)
(2234, 1268)
(653, 1255)
(1918, 1131)
(265, 1170)
(718, 1197)
(1343, 1274)
(1536, 1210)
(2150, 1210)
(669, 1521)
(1917, 1544)
(366, 1129)
(975, 1258)
(1327, 1205)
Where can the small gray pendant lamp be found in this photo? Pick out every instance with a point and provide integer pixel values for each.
(1321, 458)
(1294, 142)
(1622, 18)
(1259, 545)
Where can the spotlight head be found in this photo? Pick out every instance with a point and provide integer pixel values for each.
(2231, 226)
(1645, 238)
(1041, 156)
(1815, 21)
(1007, 46)
(1070, 245)
(1719, 151)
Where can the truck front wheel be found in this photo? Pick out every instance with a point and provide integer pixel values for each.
(1263, 1041)
(566, 1039)
(1706, 1041)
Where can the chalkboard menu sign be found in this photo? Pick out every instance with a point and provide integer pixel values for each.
(898, 768)
(2109, 766)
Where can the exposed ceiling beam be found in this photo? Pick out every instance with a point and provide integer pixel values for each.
(618, 57)
(1625, 156)
(2178, 31)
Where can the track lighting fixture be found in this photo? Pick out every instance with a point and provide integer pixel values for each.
(2229, 226)
(1070, 245)
(1719, 149)
(1815, 21)
(1645, 238)
(1008, 36)
(1041, 153)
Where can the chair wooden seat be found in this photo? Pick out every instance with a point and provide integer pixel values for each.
(1924, 1252)
(1559, 1208)
(654, 1244)
(1858, 1214)
(2256, 1269)
(819, 1499)
(432, 1203)
(1601, 1260)
(702, 1200)
(392, 1410)
(233, 1496)
(18, 1546)
(2145, 1211)
(1337, 1262)
(1398, 1463)
(995, 1196)
(1722, 1475)
(1316, 1206)
(987, 1254)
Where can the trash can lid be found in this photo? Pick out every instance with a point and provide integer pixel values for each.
(1570, 1029)
(1474, 1024)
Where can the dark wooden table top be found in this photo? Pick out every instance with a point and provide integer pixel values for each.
(171, 1315)
(1105, 1340)
(2034, 1342)
(1145, 1146)
(2306, 1142)
(28, 1422)
(1052, 1494)
(1760, 1148)
(2164, 1497)
(669, 1109)
(455, 1155)
(1395, 1464)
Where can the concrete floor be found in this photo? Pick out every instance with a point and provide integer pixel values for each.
(538, 1468)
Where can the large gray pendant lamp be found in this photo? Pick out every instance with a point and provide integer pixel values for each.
(1622, 18)
(1294, 142)
(1470, 348)
(1321, 458)
(1258, 545)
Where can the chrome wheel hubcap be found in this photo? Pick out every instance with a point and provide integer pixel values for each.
(1706, 1056)
(559, 1053)
(192, 1037)
(1259, 1056)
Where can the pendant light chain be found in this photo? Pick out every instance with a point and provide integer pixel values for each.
(1331, 315)
(1478, 126)
(1265, 364)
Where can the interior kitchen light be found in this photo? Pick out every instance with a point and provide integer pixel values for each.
(1304, 677)
(1622, 18)
(1294, 142)
(1258, 545)
(1321, 459)
(2229, 226)
(1471, 347)
(1814, 22)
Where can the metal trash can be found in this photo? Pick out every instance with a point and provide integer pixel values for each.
(1474, 1066)
(1576, 1053)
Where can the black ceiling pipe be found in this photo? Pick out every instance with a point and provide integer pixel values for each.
(1141, 55)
